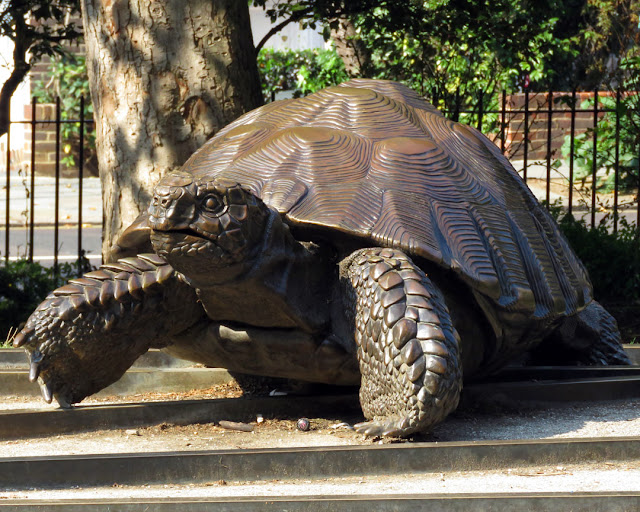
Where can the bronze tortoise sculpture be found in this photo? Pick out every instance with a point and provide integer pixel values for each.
(355, 236)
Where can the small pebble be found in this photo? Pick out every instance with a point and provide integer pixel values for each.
(303, 424)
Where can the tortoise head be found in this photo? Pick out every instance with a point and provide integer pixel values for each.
(210, 230)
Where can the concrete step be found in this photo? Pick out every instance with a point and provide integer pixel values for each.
(312, 463)
(16, 359)
(136, 380)
(634, 353)
(498, 502)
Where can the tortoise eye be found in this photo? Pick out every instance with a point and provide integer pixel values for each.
(211, 203)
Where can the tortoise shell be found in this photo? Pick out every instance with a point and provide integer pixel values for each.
(373, 160)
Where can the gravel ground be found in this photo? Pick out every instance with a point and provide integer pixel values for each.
(490, 421)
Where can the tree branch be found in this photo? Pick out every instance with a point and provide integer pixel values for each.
(297, 16)
(20, 69)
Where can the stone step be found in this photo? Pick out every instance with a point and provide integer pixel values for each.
(135, 381)
(498, 502)
(307, 462)
(16, 359)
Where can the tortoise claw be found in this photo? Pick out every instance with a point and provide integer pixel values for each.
(34, 372)
(62, 402)
(376, 429)
(36, 358)
(47, 392)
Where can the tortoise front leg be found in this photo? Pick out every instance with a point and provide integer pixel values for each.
(407, 346)
(86, 334)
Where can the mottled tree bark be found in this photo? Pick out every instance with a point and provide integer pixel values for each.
(352, 51)
(165, 75)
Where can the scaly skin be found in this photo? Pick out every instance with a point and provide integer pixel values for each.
(407, 346)
(589, 337)
(86, 334)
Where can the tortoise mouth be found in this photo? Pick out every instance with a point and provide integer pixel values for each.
(190, 252)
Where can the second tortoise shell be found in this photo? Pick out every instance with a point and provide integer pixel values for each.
(373, 160)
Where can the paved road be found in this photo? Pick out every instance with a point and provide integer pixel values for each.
(44, 201)
(43, 239)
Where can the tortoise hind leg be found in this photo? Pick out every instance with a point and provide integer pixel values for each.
(407, 347)
(590, 337)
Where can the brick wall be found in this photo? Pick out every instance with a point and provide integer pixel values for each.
(46, 133)
(538, 123)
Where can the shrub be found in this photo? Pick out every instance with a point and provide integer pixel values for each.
(23, 285)
(628, 114)
(302, 72)
(613, 263)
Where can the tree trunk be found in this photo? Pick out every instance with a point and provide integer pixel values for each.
(352, 51)
(165, 75)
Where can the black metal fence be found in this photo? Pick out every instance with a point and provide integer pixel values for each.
(611, 115)
(43, 136)
(530, 134)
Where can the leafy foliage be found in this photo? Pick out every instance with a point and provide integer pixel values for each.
(67, 79)
(613, 263)
(453, 48)
(612, 259)
(24, 284)
(624, 119)
(302, 72)
(48, 27)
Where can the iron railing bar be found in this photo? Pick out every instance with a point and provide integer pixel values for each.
(32, 212)
(526, 133)
(616, 165)
(541, 111)
(480, 109)
(80, 177)
(594, 157)
(572, 148)
(57, 191)
(456, 112)
(549, 120)
(503, 123)
(8, 192)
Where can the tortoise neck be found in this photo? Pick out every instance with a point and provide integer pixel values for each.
(274, 288)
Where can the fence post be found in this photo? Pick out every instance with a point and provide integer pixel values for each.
(8, 193)
(616, 164)
(572, 148)
(594, 157)
(32, 203)
(480, 109)
(503, 137)
(526, 132)
(456, 113)
(80, 177)
(549, 116)
(57, 191)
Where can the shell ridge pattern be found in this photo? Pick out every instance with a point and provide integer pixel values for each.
(563, 271)
(533, 270)
(467, 248)
(395, 91)
(421, 166)
(398, 226)
(497, 236)
(360, 111)
(374, 160)
(548, 265)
